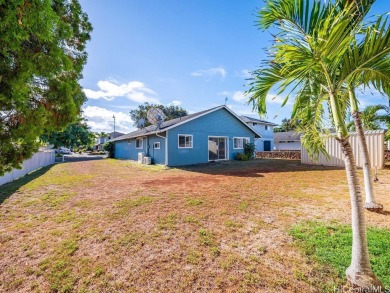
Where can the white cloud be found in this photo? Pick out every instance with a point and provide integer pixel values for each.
(239, 96)
(134, 90)
(245, 73)
(101, 119)
(275, 99)
(225, 93)
(175, 103)
(210, 73)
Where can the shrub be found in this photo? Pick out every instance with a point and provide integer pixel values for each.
(110, 148)
(238, 156)
(249, 150)
(241, 157)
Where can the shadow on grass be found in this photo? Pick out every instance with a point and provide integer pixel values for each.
(10, 188)
(382, 212)
(253, 168)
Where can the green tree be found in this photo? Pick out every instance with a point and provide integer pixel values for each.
(42, 54)
(318, 53)
(373, 117)
(170, 112)
(110, 148)
(75, 135)
(287, 125)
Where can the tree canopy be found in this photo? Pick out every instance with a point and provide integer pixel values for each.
(42, 54)
(374, 117)
(171, 112)
(287, 125)
(75, 135)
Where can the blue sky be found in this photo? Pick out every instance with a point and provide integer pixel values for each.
(187, 53)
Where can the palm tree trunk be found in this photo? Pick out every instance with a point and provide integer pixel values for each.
(359, 273)
(371, 204)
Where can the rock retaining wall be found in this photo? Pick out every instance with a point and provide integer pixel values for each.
(290, 155)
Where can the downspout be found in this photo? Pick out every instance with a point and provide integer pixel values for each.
(147, 147)
(166, 146)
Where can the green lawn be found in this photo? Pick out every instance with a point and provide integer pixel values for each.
(330, 245)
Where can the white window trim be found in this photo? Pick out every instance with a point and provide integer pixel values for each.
(243, 143)
(142, 143)
(185, 135)
(227, 154)
(156, 143)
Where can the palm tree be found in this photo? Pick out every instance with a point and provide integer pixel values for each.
(372, 119)
(368, 119)
(314, 43)
(377, 76)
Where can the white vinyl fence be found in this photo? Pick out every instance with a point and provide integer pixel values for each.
(376, 149)
(38, 160)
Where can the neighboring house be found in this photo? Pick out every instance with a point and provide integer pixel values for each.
(211, 135)
(101, 140)
(265, 129)
(287, 141)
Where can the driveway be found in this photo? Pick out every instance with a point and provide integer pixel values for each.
(74, 157)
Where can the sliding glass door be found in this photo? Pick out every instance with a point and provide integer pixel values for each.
(217, 148)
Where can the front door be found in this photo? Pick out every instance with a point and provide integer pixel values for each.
(217, 148)
(267, 146)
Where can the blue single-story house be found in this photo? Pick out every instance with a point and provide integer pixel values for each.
(212, 135)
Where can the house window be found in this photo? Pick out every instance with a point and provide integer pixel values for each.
(266, 127)
(185, 141)
(239, 142)
(139, 143)
(254, 124)
(129, 141)
(156, 145)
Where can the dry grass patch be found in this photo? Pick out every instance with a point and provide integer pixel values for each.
(117, 226)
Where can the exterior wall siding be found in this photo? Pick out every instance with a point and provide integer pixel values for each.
(157, 155)
(126, 150)
(219, 124)
(375, 144)
(266, 135)
(288, 146)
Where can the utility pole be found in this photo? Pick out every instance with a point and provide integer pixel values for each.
(113, 116)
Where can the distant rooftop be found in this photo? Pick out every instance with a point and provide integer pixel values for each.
(288, 135)
(255, 120)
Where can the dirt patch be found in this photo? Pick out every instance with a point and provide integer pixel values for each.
(111, 225)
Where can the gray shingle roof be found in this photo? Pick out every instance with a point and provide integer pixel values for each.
(255, 120)
(171, 123)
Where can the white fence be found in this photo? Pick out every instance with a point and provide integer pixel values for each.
(375, 144)
(38, 160)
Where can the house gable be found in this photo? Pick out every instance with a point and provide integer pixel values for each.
(218, 123)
